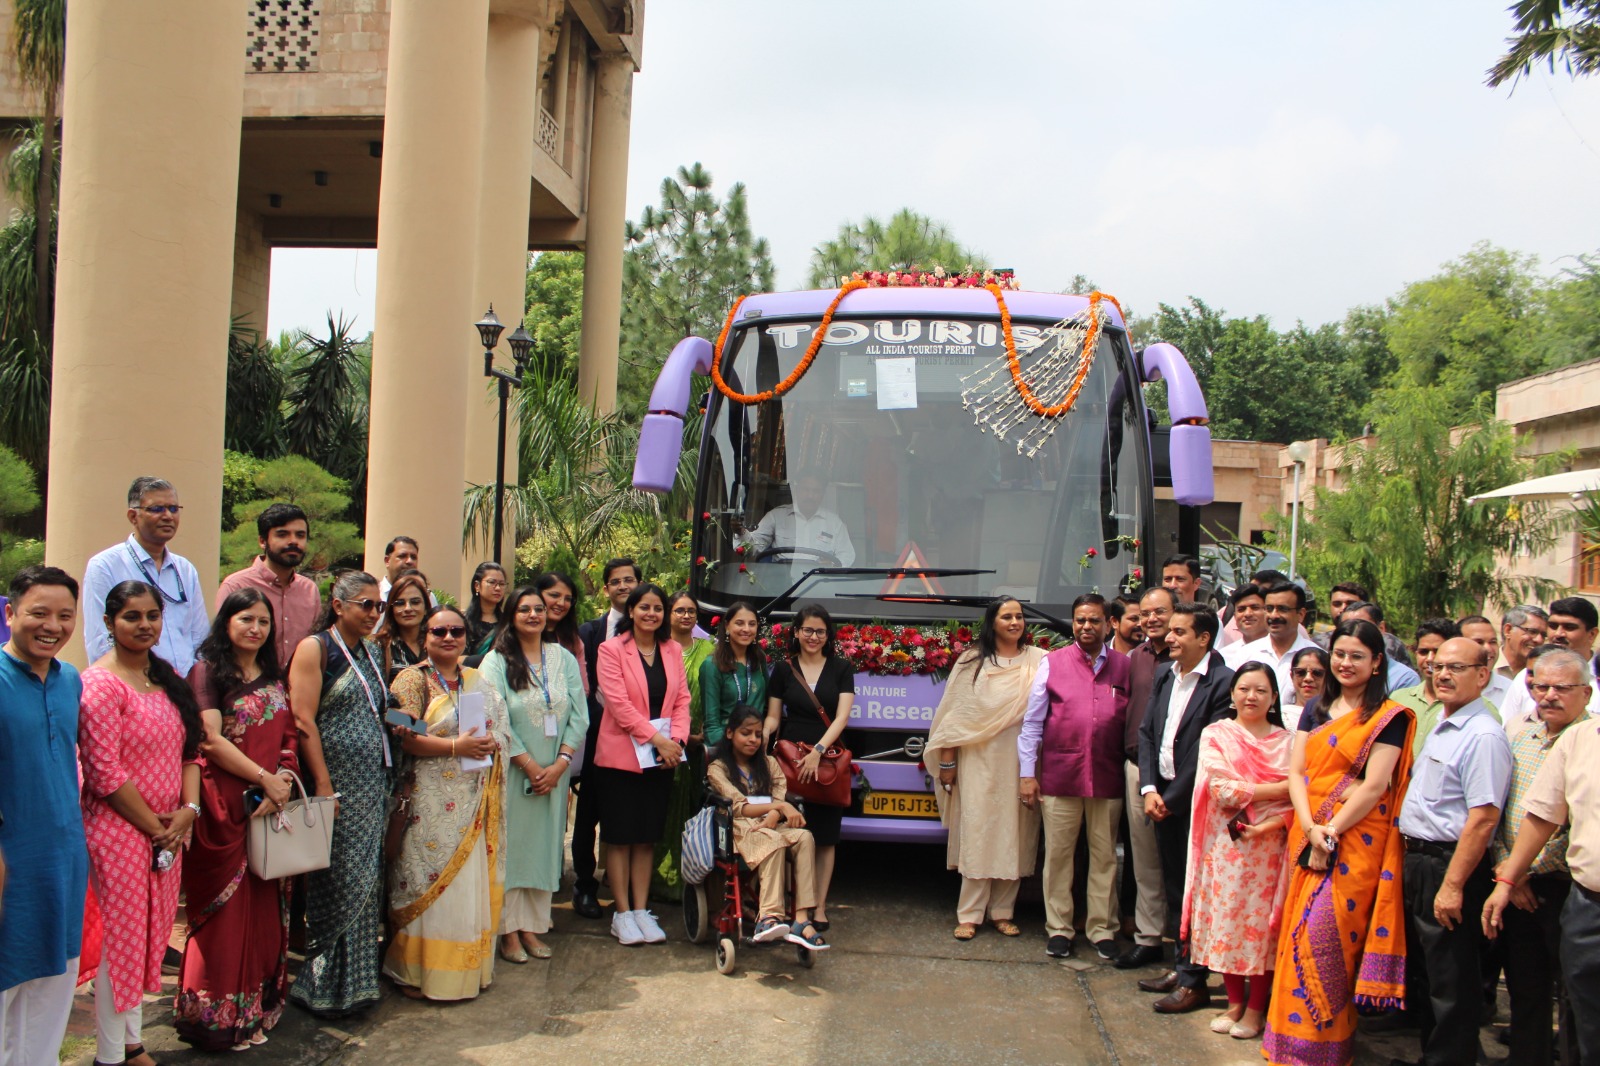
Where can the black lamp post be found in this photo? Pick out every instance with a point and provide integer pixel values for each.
(521, 341)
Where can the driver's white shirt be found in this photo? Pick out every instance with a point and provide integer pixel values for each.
(784, 527)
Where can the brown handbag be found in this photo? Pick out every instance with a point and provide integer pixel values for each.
(831, 786)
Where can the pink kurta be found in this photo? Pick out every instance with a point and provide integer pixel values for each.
(125, 736)
(1233, 899)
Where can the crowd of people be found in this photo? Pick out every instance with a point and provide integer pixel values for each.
(1329, 829)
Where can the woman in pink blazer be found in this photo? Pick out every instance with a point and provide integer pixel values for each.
(642, 686)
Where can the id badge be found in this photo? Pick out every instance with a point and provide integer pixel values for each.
(550, 725)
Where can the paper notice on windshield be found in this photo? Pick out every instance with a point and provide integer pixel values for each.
(897, 384)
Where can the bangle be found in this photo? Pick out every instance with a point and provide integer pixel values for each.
(195, 807)
(1505, 881)
(947, 766)
(567, 755)
(453, 745)
(260, 773)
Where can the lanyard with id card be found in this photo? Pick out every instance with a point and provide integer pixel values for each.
(552, 726)
(371, 699)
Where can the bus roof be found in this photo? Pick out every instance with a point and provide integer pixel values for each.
(1052, 306)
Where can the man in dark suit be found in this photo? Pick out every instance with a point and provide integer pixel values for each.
(1191, 691)
(621, 576)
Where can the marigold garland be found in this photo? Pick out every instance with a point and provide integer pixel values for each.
(1013, 360)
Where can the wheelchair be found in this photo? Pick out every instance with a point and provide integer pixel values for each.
(724, 904)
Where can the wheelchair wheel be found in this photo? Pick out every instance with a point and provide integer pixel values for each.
(726, 960)
(696, 919)
(805, 957)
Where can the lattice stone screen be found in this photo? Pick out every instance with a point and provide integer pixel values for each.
(282, 37)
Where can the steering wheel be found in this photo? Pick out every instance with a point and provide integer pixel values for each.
(816, 554)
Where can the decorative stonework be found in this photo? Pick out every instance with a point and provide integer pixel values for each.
(283, 36)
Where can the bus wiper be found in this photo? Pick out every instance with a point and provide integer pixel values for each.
(867, 571)
(1050, 620)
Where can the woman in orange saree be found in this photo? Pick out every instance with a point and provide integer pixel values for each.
(1343, 940)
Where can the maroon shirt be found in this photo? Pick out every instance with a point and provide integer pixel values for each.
(1142, 664)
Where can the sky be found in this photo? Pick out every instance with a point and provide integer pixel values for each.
(1287, 160)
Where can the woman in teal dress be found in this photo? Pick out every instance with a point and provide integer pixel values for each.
(735, 673)
(338, 695)
(542, 686)
(689, 783)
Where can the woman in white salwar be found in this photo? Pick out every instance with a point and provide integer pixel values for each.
(993, 839)
(445, 885)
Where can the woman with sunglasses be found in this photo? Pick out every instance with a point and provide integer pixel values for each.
(1308, 671)
(688, 784)
(542, 686)
(337, 693)
(445, 882)
(485, 613)
(814, 683)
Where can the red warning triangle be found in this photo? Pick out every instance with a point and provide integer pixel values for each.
(910, 558)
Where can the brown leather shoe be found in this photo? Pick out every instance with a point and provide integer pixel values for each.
(1183, 1000)
(1165, 983)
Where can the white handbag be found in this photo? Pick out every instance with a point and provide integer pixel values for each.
(296, 839)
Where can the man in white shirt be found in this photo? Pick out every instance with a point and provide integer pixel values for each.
(1477, 628)
(803, 525)
(1249, 605)
(1285, 610)
(153, 511)
(1573, 623)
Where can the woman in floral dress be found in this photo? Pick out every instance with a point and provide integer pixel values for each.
(139, 742)
(235, 962)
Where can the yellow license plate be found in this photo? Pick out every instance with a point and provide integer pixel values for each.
(900, 805)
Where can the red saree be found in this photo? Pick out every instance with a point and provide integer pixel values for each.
(235, 963)
(1343, 940)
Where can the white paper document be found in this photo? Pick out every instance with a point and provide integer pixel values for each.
(649, 758)
(472, 713)
(897, 384)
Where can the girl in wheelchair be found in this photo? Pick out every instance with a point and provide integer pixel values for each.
(766, 828)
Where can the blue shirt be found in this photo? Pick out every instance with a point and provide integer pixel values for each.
(1465, 763)
(184, 618)
(47, 863)
(1399, 675)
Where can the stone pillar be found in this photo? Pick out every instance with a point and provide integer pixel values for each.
(510, 127)
(149, 186)
(252, 272)
(427, 227)
(607, 211)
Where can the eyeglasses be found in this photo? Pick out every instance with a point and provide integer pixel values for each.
(447, 631)
(366, 605)
(530, 608)
(157, 510)
(619, 582)
(683, 612)
(493, 584)
(1561, 690)
(1304, 673)
(1529, 630)
(1278, 608)
(1455, 669)
(816, 634)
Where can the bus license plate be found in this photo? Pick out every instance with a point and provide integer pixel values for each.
(900, 805)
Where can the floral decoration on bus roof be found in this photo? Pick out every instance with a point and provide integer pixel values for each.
(937, 278)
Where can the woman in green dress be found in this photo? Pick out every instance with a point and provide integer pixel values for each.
(542, 686)
(735, 673)
(688, 785)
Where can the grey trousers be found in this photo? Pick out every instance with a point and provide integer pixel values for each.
(1580, 965)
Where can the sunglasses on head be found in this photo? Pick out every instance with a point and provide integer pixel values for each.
(447, 631)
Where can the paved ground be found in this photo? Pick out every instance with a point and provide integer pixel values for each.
(896, 988)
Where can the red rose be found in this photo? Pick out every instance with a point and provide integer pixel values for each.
(739, 550)
(705, 516)
(715, 620)
(743, 569)
(1091, 553)
(699, 560)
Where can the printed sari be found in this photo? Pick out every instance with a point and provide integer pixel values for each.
(1344, 938)
(447, 883)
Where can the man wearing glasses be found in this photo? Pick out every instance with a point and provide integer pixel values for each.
(153, 510)
(1458, 789)
(1285, 610)
(1522, 629)
(1573, 624)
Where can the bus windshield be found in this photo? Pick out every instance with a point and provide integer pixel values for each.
(873, 461)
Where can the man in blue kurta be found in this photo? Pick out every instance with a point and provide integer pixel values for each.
(44, 865)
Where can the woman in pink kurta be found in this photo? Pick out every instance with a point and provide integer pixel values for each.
(1237, 871)
(138, 739)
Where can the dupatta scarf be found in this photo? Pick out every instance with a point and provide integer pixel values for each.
(1344, 943)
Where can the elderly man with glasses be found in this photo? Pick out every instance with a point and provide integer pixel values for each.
(153, 511)
(1522, 629)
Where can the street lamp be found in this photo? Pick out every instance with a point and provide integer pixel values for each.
(521, 341)
(1299, 454)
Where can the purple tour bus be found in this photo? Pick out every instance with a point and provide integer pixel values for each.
(902, 479)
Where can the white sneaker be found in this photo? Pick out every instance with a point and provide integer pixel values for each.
(650, 930)
(625, 929)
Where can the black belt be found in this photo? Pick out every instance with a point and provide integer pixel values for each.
(1429, 847)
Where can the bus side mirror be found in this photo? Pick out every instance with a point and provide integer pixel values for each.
(661, 434)
(1192, 477)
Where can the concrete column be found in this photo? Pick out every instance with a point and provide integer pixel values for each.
(607, 211)
(510, 127)
(252, 272)
(427, 228)
(149, 185)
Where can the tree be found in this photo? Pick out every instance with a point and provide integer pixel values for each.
(1550, 30)
(19, 495)
(330, 386)
(555, 310)
(687, 261)
(323, 497)
(908, 240)
(1402, 526)
(257, 385)
(1567, 329)
(39, 41)
(25, 363)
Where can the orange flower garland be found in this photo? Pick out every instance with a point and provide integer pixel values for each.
(1014, 361)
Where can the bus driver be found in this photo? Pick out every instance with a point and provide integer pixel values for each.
(803, 525)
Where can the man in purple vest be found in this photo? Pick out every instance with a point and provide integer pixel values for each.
(1070, 755)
